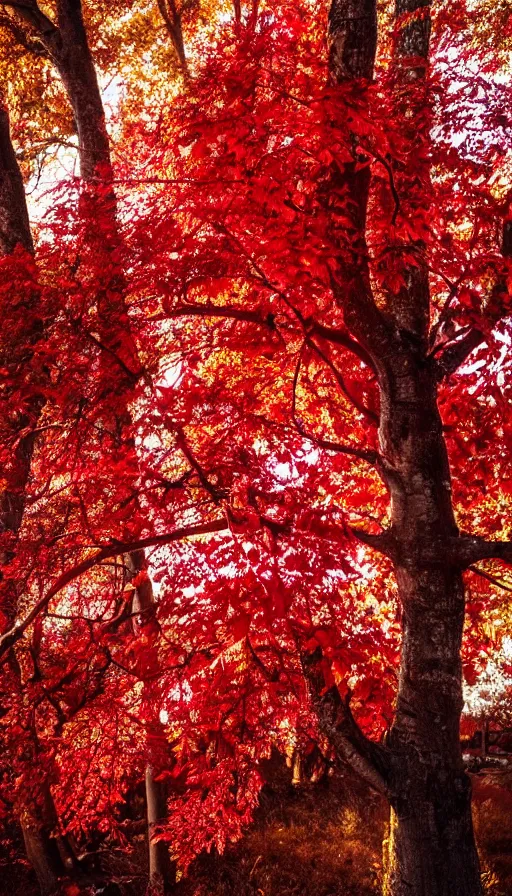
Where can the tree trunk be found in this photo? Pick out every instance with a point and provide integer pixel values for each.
(173, 24)
(161, 870)
(48, 852)
(76, 68)
(433, 851)
(162, 873)
(484, 746)
(67, 46)
(431, 848)
(37, 818)
(14, 223)
(41, 856)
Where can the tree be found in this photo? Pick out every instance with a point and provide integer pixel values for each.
(377, 235)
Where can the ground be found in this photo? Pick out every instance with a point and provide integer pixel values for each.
(322, 839)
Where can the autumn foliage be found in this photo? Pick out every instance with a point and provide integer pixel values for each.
(179, 356)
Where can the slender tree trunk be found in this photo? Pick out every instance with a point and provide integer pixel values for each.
(76, 67)
(161, 870)
(38, 850)
(49, 854)
(484, 747)
(162, 873)
(173, 24)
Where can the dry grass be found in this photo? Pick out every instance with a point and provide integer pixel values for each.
(493, 826)
(323, 838)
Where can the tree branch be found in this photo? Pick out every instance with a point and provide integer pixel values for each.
(339, 338)
(352, 37)
(384, 542)
(369, 456)
(468, 549)
(456, 353)
(47, 31)
(172, 20)
(492, 579)
(31, 44)
(365, 412)
(196, 466)
(368, 759)
(224, 311)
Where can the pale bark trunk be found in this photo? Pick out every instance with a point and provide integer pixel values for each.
(161, 870)
(162, 874)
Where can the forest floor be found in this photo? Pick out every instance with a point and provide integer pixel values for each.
(324, 839)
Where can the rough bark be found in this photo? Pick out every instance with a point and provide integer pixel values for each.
(76, 68)
(413, 19)
(65, 42)
(352, 39)
(431, 848)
